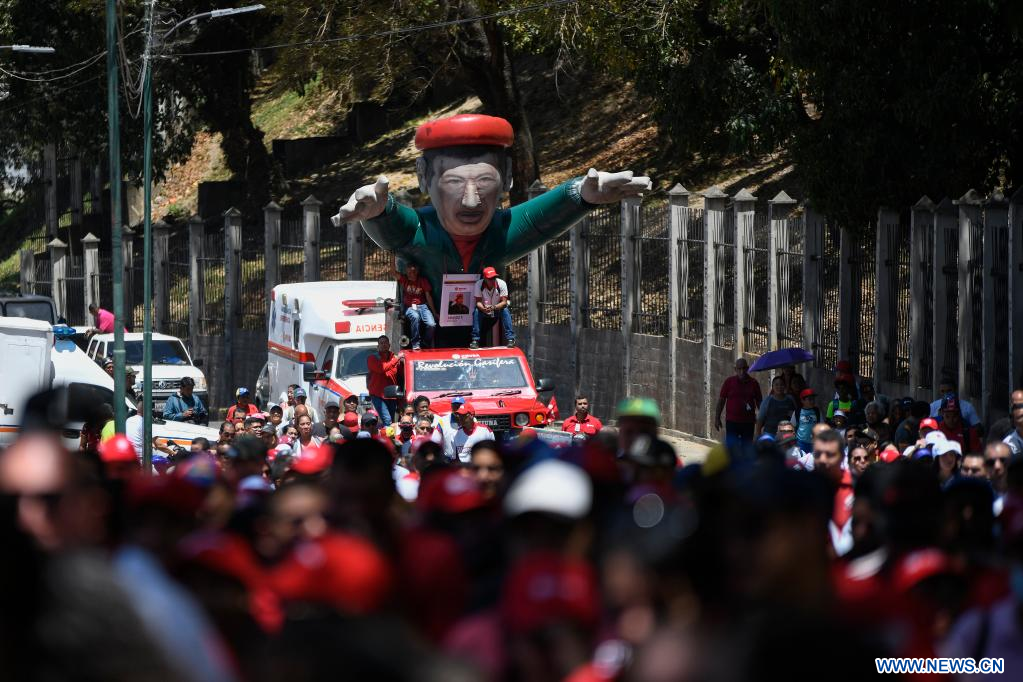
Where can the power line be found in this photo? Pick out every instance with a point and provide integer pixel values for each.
(379, 34)
(84, 65)
(21, 103)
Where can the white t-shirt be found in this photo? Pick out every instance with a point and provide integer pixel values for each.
(491, 296)
(457, 443)
(135, 429)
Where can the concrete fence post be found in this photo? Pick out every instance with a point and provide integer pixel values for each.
(196, 296)
(271, 247)
(714, 206)
(744, 205)
(534, 279)
(50, 175)
(779, 210)
(887, 220)
(630, 286)
(921, 224)
(232, 289)
(90, 271)
(813, 261)
(130, 282)
(845, 295)
(58, 275)
(1016, 290)
(577, 294)
(27, 271)
(161, 276)
(678, 201)
(311, 224)
(969, 318)
(77, 197)
(996, 219)
(946, 232)
(355, 237)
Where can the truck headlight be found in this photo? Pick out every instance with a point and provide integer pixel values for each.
(200, 383)
(539, 418)
(521, 419)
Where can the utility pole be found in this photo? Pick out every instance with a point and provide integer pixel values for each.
(114, 125)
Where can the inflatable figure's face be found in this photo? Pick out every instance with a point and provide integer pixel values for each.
(465, 187)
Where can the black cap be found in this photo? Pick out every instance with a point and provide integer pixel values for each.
(652, 452)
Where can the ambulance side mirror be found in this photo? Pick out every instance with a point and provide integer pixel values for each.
(393, 392)
(544, 385)
(309, 371)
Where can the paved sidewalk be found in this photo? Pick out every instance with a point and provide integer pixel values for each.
(692, 450)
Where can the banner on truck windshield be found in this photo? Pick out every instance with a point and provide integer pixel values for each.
(457, 301)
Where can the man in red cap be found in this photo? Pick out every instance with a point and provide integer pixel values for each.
(458, 440)
(465, 168)
(491, 297)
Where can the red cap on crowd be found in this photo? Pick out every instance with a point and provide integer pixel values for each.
(806, 393)
(929, 423)
(338, 569)
(465, 129)
(489, 273)
(117, 448)
(351, 420)
(890, 454)
(843, 366)
(314, 460)
(225, 553)
(545, 588)
(449, 492)
(175, 494)
(918, 566)
(466, 408)
(845, 378)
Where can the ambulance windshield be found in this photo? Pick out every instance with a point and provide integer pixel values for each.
(351, 360)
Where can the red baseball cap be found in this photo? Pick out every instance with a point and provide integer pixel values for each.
(806, 393)
(890, 454)
(929, 423)
(351, 420)
(466, 408)
(117, 448)
(314, 460)
(338, 569)
(919, 566)
(546, 587)
(465, 129)
(449, 492)
(489, 272)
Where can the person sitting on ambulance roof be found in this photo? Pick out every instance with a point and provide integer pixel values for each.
(242, 407)
(185, 406)
(417, 301)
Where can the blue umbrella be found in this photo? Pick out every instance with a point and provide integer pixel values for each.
(780, 358)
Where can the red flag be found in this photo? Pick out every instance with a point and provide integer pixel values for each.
(552, 410)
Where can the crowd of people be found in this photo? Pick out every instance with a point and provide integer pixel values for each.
(817, 537)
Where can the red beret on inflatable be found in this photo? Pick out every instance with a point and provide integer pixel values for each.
(464, 129)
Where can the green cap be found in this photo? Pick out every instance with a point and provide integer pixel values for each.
(639, 407)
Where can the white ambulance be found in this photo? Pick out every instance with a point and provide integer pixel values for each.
(320, 335)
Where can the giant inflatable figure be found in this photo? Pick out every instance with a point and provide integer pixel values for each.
(465, 169)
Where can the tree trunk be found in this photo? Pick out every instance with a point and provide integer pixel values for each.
(488, 64)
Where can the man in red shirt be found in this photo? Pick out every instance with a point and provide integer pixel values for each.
(242, 407)
(582, 421)
(383, 372)
(417, 299)
(954, 428)
(741, 395)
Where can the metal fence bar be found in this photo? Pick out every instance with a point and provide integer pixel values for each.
(791, 307)
(292, 248)
(211, 318)
(178, 274)
(724, 302)
(825, 343)
(333, 249)
(863, 293)
(691, 249)
(757, 263)
(602, 308)
(252, 304)
(651, 315)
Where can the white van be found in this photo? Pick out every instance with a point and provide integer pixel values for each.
(320, 335)
(25, 369)
(171, 363)
(88, 384)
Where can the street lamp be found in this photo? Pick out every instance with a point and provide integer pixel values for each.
(28, 48)
(147, 199)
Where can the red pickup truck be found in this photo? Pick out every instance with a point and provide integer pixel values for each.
(496, 381)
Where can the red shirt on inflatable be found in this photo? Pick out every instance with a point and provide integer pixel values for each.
(413, 292)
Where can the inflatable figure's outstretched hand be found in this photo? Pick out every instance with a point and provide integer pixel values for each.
(367, 202)
(606, 188)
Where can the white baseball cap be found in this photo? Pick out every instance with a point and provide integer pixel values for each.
(551, 486)
(935, 437)
(945, 445)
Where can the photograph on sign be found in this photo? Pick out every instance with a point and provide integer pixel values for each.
(456, 300)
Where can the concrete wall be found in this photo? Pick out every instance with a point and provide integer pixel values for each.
(601, 354)
(649, 374)
(551, 363)
(690, 399)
